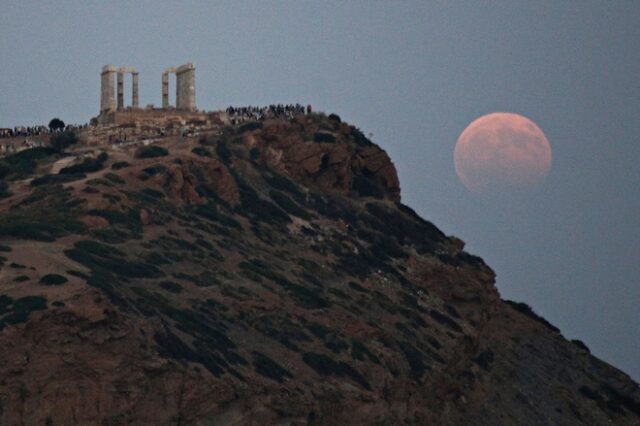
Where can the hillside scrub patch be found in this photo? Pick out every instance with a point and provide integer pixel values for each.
(525, 309)
(88, 165)
(61, 141)
(200, 151)
(119, 165)
(324, 137)
(151, 151)
(267, 367)
(171, 287)
(97, 256)
(40, 224)
(112, 177)
(325, 366)
(18, 311)
(53, 279)
(249, 127)
(24, 162)
(4, 189)
(54, 179)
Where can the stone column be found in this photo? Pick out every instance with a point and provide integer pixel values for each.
(186, 87)
(120, 90)
(107, 100)
(134, 90)
(165, 90)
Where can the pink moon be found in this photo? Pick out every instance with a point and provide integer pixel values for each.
(502, 152)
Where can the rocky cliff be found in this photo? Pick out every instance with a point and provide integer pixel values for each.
(263, 274)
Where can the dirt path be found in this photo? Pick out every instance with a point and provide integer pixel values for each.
(61, 164)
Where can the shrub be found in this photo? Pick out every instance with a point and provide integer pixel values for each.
(285, 184)
(445, 320)
(581, 345)
(24, 162)
(202, 152)
(254, 154)
(61, 141)
(45, 224)
(5, 248)
(88, 165)
(324, 137)
(325, 366)
(223, 152)
(53, 279)
(151, 151)
(171, 287)
(19, 310)
(335, 117)
(4, 189)
(119, 165)
(55, 179)
(112, 177)
(525, 309)
(286, 204)
(249, 127)
(267, 367)
(484, 359)
(56, 124)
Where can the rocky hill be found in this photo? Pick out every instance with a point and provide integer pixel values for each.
(265, 273)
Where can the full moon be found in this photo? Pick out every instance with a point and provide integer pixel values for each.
(502, 152)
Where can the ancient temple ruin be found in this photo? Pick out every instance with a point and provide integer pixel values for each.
(112, 96)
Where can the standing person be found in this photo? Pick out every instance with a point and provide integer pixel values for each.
(308, 108)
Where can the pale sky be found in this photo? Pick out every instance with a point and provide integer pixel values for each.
(414, 74)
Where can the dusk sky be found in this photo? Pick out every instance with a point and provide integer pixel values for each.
(414, 75)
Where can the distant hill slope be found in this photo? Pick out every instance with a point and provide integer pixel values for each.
(264, 274)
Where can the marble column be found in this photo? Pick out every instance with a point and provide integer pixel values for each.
(134, 90)
(186, 87)
(107, 100)
(120, 90)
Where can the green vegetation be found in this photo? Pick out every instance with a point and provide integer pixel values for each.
(4, 189)
(61, 141)
(223, 152)
(288, 205)
(119, 165)
(267, 367)
(23, 163)
(53, 279)
(200, 151)
(249, 127)
(484, 359)
(88, 165)
(39, 223)
(18, 311)
(56, 124)
(151, 151)
(324, 137)
(526, 310)
(56, 179)
(97, 256)
(325, 366)
(21, 278)
(112, 177)
(171, 287)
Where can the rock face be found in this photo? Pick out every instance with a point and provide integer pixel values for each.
(267, 274)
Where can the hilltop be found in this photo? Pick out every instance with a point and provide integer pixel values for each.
(261, 273)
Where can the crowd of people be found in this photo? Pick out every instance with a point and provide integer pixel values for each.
(241, 114)
(26, 131)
